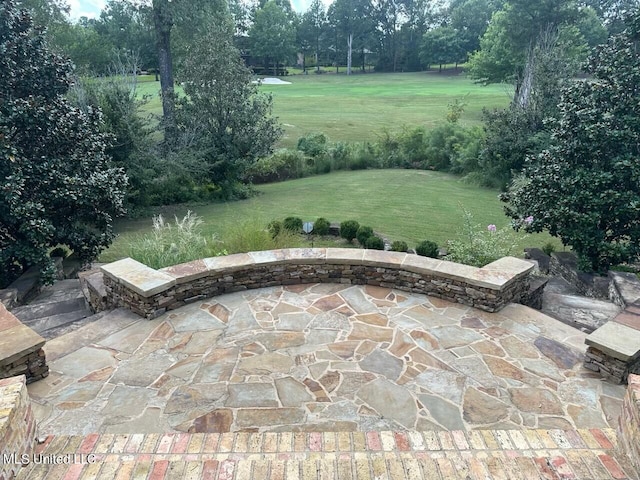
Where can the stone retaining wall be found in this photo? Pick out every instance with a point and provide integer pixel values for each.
(629, 422)
(17, 426)
(565, 265)
(20, 349)
(150, 292)
(610, 368)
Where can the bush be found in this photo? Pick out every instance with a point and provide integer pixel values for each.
(292, 224)
(479, 245)
(548, 248)
(61, 252)
(399, 246)
(427, 248)
(251, 236)
(282, 165)
(169, 244)
(274, 227)
(321, 226)
(363, 234)
(374, 243)
(313, 144)
(349, 229)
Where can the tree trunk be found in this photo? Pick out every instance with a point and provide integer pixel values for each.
(349, 43)
(163, 22)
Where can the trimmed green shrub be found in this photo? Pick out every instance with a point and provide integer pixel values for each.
(427, 248)
(321, 226)
(349, 229)
(274, 227)
(374, 243)
(363, 234)
(399, 246)
(293, 224)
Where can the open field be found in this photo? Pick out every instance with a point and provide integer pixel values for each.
(359, 107)
(405, 205)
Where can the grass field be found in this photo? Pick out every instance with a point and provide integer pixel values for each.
(405, 205)
(359, 107)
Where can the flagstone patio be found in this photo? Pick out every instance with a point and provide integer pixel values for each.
(322, 357)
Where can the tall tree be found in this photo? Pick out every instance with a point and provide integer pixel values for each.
(585, 189)
(163, 21)
(353, 23)
(57, 184)
(313, 28)
(441, 45)
(273, 34)
(470, 18)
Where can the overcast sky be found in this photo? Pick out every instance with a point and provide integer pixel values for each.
(92, 8)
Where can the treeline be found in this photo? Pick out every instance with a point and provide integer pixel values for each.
(392, 35)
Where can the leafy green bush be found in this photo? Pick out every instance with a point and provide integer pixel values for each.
(548, 248)
(282, 165)
(479, 245)
(399, 246)
(427, 248)
(313, 144)
(169, 244)
(349, 229)
(274, 227)
(374, 243)
(292, 224)
(363, 234)
(321, 226)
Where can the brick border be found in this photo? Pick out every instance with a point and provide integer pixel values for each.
(150, 293)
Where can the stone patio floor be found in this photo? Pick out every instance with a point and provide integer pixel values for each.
(321, 357)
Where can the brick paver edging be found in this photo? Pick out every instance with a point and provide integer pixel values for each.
(150, 292)
(478, 454)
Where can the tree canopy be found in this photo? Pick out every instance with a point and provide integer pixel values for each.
(57, 183)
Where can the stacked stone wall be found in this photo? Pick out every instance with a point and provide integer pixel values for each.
(610, 368)
(17, 426)
(190, 282)
(629, 423)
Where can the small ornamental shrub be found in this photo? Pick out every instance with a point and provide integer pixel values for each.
(374, 243)
(349, 229)
(363, 234)
(399, 246)
(427, 248)
(548, 248)
(321, 226)
(313, 144)
(293, 224)
(274, 227)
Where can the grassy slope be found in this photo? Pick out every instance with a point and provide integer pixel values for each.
(360, 107)
(401, 204)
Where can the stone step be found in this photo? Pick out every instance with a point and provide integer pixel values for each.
(60, 291)
(477, 454)
(583, 313)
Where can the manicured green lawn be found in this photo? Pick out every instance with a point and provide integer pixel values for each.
(405, 205)
(359, 107)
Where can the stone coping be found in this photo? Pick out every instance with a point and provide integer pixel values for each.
(16, 340)
(147, 281)
(616, 340)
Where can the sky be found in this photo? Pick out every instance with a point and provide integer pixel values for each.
(92, 8)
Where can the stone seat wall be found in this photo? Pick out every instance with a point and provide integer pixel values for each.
(150, 292)
(20, 349)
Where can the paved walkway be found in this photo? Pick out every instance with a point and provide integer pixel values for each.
(321, 358)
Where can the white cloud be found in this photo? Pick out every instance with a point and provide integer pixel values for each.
(85, 8)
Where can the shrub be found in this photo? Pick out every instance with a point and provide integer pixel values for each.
(548, 248)
(349, 229)
(479, 245)
(251, 236)
(363, 234)
(427, 248)
(292, 224)
(169, 244)
(274, 227)
(313, 144)
(321, 226)
(59, 252)
(374, 243)
(281, 165)
(399, 246)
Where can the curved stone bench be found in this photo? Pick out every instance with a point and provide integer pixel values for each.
(150, 292)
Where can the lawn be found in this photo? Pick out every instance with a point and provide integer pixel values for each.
(405, 205)
(359, 107)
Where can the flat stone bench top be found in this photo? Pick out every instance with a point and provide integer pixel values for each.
(16, 340)
(620, 337)
(147, 281)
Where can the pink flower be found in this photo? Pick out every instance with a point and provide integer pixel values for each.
(491, 228)
(528, 220)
